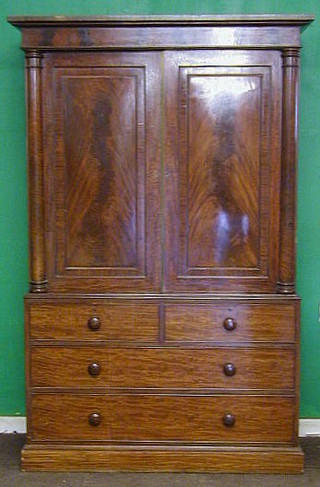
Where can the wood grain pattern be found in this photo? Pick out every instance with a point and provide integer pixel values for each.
(159, 418)
(38, 276)
(177, 459)
(162, 154)
(221, 229)
(255, 322)
(103, 146)
(163, 368)
(128, 321)
(166, 32)
(222, 113)
(99, 127)
(289, 154)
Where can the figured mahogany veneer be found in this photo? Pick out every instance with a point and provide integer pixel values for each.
(93, 321)
(159, 418)
(232, 321)
(220, 180)
(255, 368)
(224, 459)
(162, 325)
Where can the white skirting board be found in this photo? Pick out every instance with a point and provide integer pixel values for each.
(309, 427)
(13, 424)
(17, 424)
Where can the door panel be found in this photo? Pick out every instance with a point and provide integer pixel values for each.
(105, 192)
(222, 121)
(99, 146)
(222, 220)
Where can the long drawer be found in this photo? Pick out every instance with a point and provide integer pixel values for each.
(86, 321)
(162, 418)
(243, 368)
(230, 321)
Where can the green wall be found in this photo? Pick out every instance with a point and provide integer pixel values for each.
(13, 214)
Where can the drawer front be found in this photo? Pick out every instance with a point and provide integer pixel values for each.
(233, 322)
(90, 322)
(264, 368)
(172, 418)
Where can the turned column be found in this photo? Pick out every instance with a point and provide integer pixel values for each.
(38, 281)
(287, 258)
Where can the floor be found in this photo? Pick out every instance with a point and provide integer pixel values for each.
(10, 475)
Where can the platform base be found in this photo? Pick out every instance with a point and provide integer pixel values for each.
(159, 459)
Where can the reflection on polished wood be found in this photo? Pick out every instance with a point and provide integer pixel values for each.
(223, 170)
(224, 231)
(162, 328)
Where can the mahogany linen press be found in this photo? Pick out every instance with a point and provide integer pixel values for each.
(162, 324)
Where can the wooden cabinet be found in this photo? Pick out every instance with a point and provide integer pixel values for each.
(162, 324)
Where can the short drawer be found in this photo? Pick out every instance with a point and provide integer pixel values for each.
(76, 321)
(168, 368)
(233, 322)
(228, 418)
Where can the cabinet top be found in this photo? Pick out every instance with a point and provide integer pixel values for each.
(160, 32)
(158, 20)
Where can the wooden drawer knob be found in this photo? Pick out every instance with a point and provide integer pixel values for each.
(229, 419)
(229, 369)
(95, 419)
(94, 368)
(230, 324)
(94, 323)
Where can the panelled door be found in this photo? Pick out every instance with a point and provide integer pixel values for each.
(101, 150)
(222, 163)
(207, 125)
